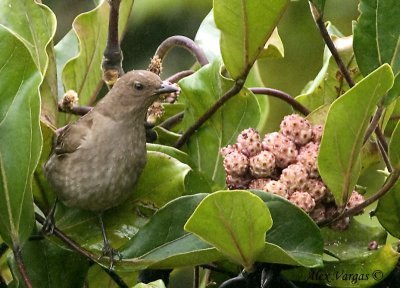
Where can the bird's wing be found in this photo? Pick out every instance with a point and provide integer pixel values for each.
(72, 136)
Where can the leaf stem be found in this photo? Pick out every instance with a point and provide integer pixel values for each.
(283, 96)
(21, 266)
(373, 124)
(221, 101)
(385, 157)
(184, 42)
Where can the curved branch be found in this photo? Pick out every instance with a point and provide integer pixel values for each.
(178, 76)
(221, 101)
(183, 42)
(283, 96)
(172, 121)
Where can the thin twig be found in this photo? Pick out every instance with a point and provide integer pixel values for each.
(221, 101)
(172, 121)
(21, 266)
(178, 76)
(374, 123)
(381, 138)
(114, 276)
(215, 268)
(318, 18)
(184, 42)
(71, 243)
(283, 96)
(385, 157)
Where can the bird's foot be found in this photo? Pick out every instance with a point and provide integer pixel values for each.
(111, 253)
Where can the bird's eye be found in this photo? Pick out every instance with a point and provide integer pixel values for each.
(138, 86)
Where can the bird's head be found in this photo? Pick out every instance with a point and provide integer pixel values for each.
(137, 90)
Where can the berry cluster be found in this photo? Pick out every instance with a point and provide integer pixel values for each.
(285, 163)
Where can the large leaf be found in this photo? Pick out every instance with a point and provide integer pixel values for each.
(245, 28)
(388, 210)
(199, 92)
(294, 239)
(19, 113)
(377, 39)
(58, 267)
(339, 156)
(234, 222)
(363, 271)
(83, 73)
(353, 242)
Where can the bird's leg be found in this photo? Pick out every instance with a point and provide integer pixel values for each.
(107, 249)
(49, 223)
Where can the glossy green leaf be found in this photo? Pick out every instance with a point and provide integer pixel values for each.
(199, 92)
(234, 222)
(377, 39)
(394, 148)
(245, 28)
(19, 112)
(377, 35)
(83, 73)
(33, 23)
(388, 210)
(302, 246)
(365, 271)
(49, 265)
(170, 242)
(339, 155)
(352, 242)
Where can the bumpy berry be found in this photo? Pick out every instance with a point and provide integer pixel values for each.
(235, 163)
(317, 131)
(228, 150)
(294, 177)
(316, 189)
(355, 200)
(237, 182)
(283, 148)
(308, 155)
(302, 200)
(318, 213)
(262, 164)
(277, 188)
(296, 128)
(258, 183)
(249, 142)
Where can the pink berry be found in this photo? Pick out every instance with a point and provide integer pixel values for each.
(302, 200)
(277, 188)
(235, 163)
(249, 142)
(283, 148)
(262, 164)
(307, 156)
(294, 177)
(296, 128)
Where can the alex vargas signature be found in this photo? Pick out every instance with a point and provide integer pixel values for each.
(343, 276)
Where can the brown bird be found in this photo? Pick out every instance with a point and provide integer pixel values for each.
(97, 160)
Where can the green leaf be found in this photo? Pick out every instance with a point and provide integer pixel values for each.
(377, 35)
(19, 113)
(235, 222)
(352, 242)
(199, 92)
(294, 238)
(155, 284)
(245, 28)
(394, 153)
(58, 267)
(274, 47)
(339, 155)
(365, 271)
(207, 37)
(83, 73)
(388, 210)
(171, 246)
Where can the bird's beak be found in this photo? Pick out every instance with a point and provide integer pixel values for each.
(166, 88)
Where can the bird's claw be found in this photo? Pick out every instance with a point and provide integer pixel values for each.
(111, 253)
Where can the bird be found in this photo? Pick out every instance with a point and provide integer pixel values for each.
(96, 161)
